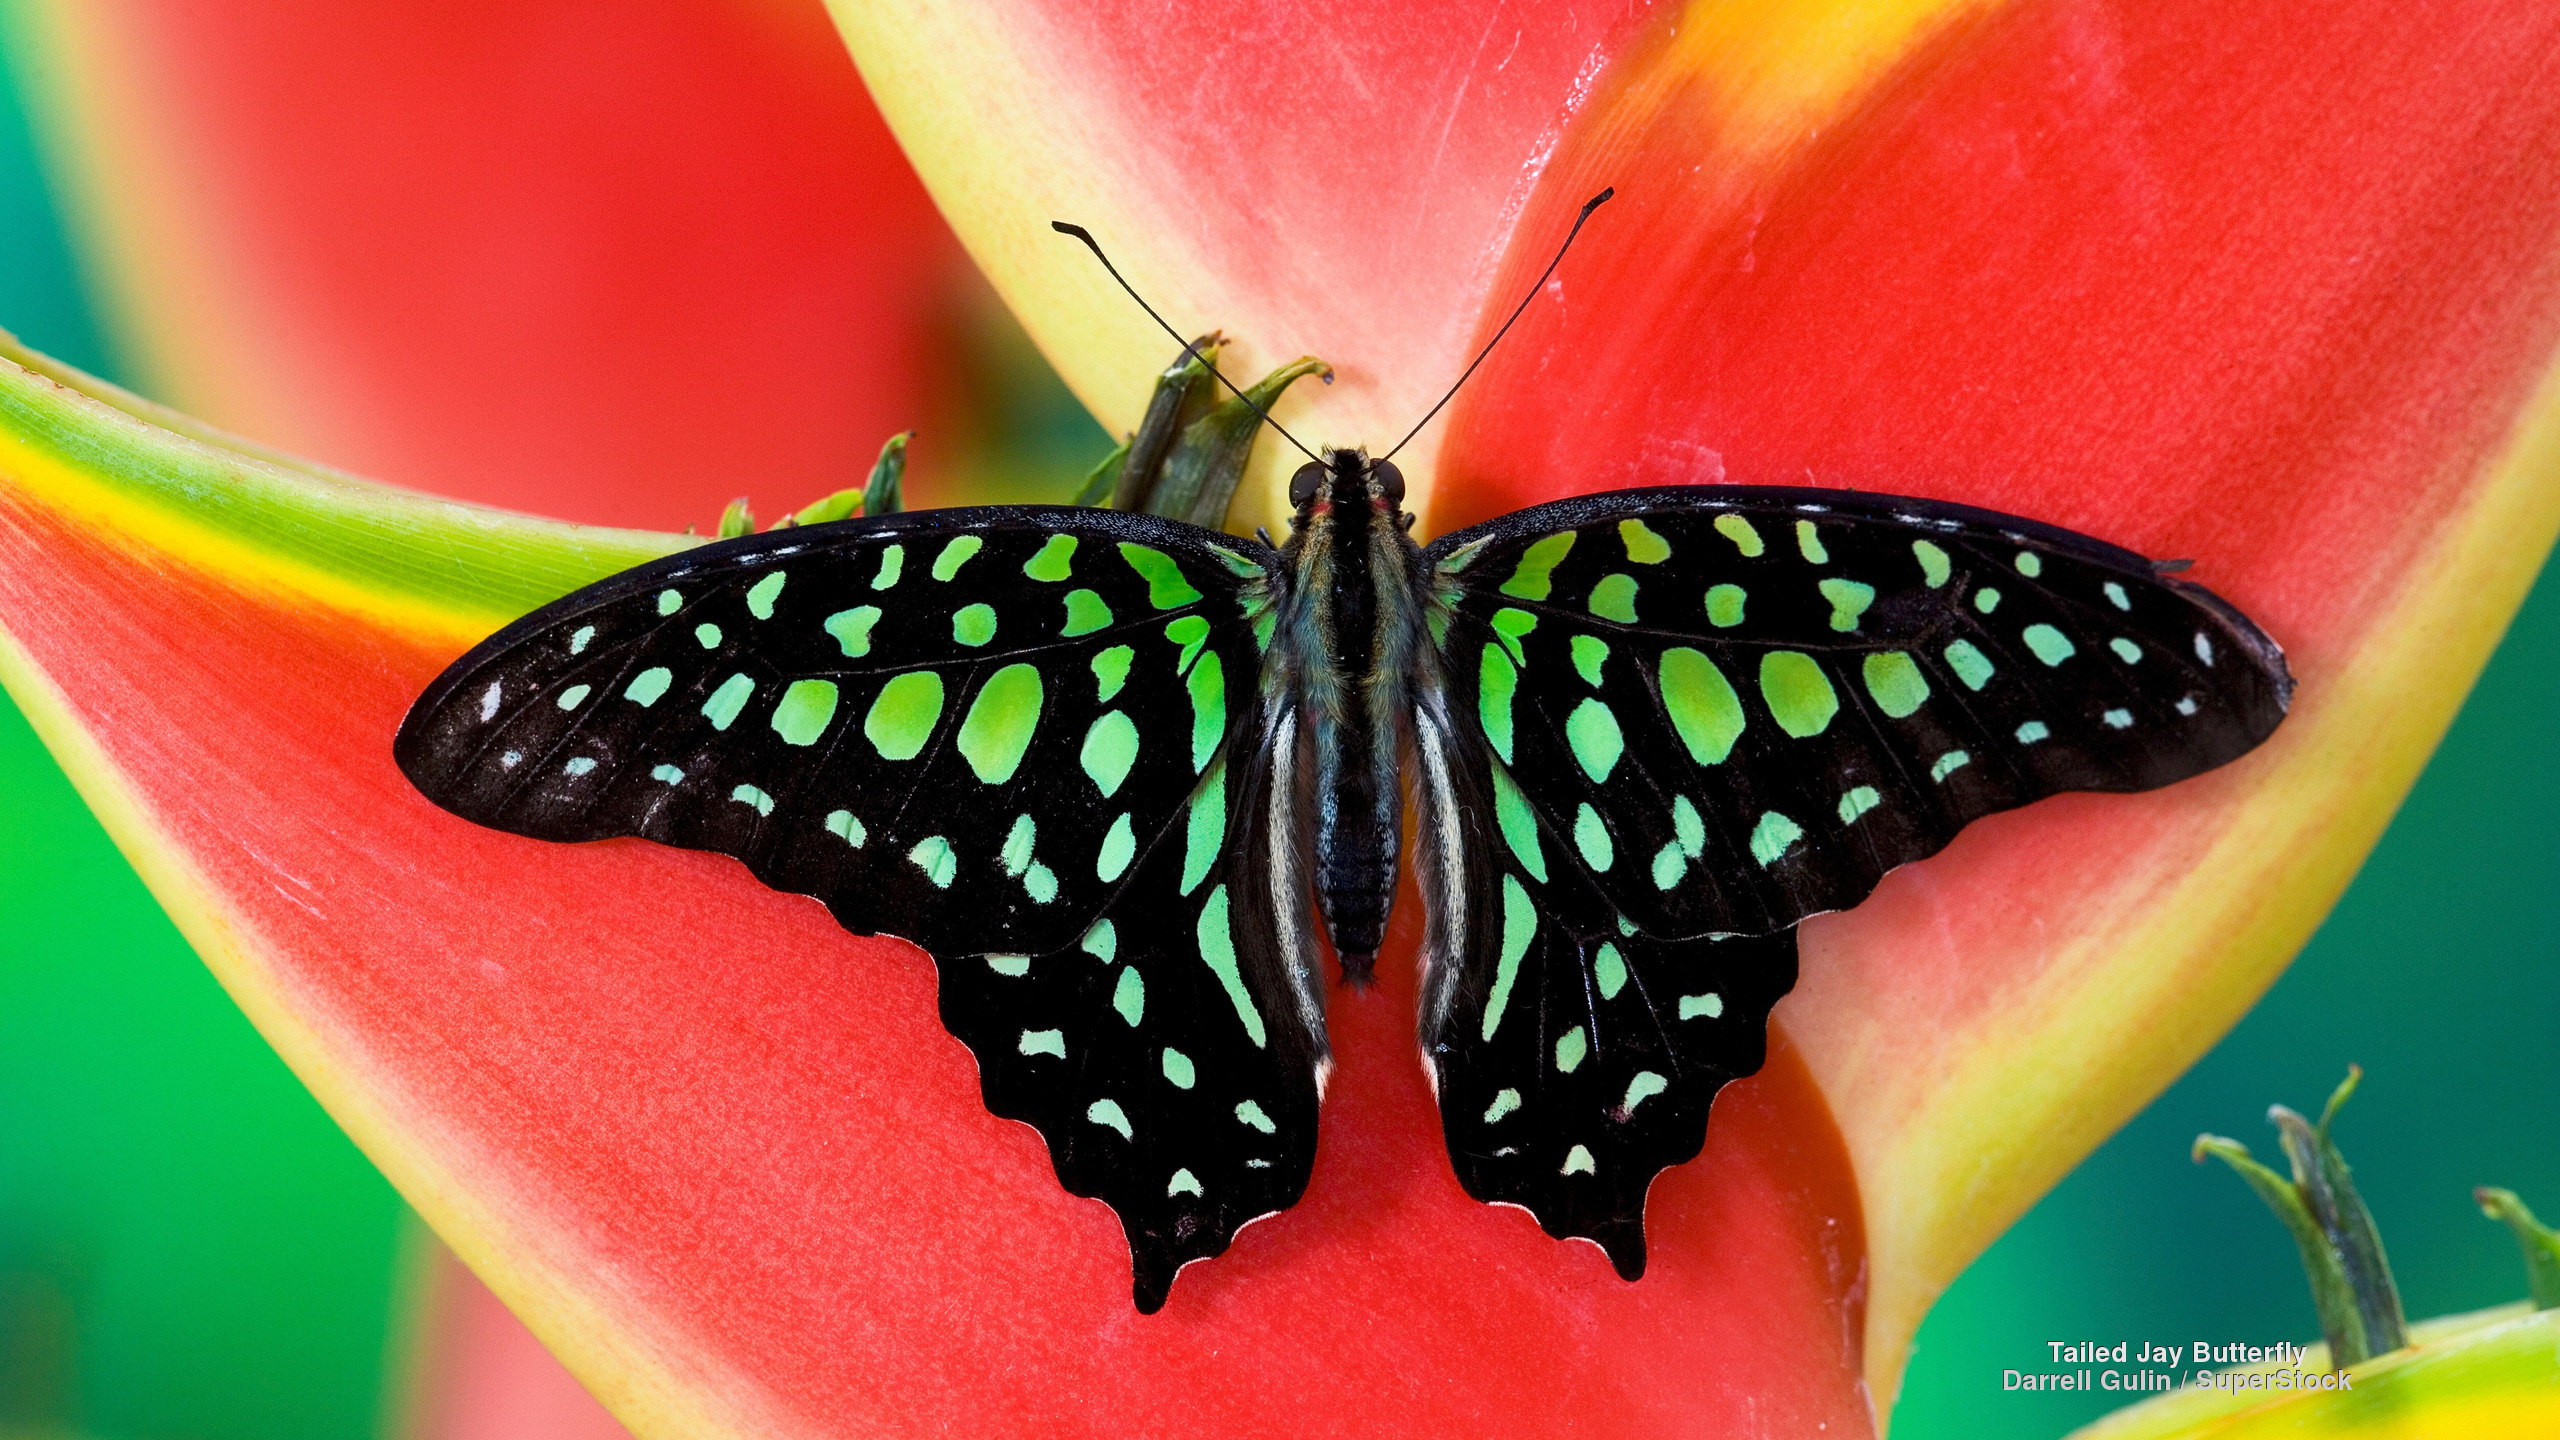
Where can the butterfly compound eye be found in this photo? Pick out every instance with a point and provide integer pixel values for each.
(1390, 481)
(1302, 486)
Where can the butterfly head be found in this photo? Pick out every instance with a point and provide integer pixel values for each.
(1343, 477)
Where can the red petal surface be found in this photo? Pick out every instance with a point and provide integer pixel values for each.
(619, 267)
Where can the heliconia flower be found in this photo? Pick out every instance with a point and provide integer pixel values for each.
(620, 273)
(2271, 292)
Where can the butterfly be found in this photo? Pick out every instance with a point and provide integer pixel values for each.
(1096, 762)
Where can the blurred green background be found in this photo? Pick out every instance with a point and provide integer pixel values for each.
(189, 1248)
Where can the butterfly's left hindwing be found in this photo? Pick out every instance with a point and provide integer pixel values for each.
(1031, 740)
(1574, 1055)
(1665, 726)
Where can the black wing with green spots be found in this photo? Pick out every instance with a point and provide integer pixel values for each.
(1031, 740)
(1670, 716)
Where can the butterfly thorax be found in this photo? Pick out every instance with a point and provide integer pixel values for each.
(1352, 638)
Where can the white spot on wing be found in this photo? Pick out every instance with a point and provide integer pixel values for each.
(489, 699)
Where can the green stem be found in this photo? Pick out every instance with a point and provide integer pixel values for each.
(2351, 1285)
(2541, 1244)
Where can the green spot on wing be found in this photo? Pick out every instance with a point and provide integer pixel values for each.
(1694, 1006)
(1011, 966)
(1578, 1161)
(1504, 1102)
(1590, 652)
(1119, 843)
(1044, 1042)
(1643, 546)
(1102, 941)
(1110, 672)
(2030, 564)
(2033, 731)
(1609, 972)
(1208, 685)
(1592, 731)
(998, 727)
(1740, 532)
(574, 696)
(1189, 632)
(1809, 544)
(1849, 600)
(707, 635)
(1688, 827)
(1179, 1070)
(1129, 997)
(1167, 587)
(1218, 952)
(1933, 563)
(2051, 645)
(1056, 560)
(1086, 613)
(1701, 703)
(1519, 926)
(578, 642)
(1948, 764)
(1773, 837)
(1205, 830)
(1110, 748)
(805, 711)
(1495, 683)
(956, 554)
(1799, 695)
(843, 825)
(974, 625)
(1614, 598)
(2125, 649)
(933, 855)
(1858, 802)
(1668, 866)
(761, 596)
(852, 629)
(1251, 1114)
(753, 798)
(1724, 606)
(1894, 679)
(667, 775)
(1518, 823)
(1970, 664)
(1108, 1114)
(1533, 577)
(725, 703)
(1986, 600)
(893, 563)
(903, 715)
(1571, 1047)
(1591, 837)
(669, 602)
(1509, 624)
(1644, 1087)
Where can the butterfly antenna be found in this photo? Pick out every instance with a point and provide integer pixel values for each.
(1188, 349)
(1594, 203)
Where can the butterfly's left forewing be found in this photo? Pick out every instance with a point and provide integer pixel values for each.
(1034, 740)
(1674, 723)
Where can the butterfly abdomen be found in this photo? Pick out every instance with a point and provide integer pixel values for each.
(1354, 566)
